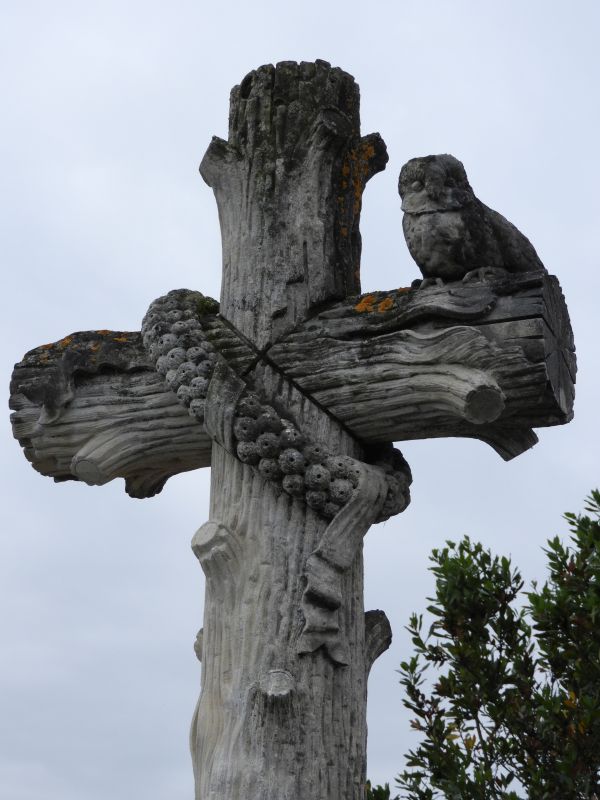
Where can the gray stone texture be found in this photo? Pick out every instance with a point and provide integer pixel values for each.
(292, 389)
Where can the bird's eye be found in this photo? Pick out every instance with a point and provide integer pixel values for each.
(416, 186)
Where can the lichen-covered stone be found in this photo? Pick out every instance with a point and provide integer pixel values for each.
(291, 437)
(167, 342)
(184, 394)
(195, 354)
(316, 500)
(197, 408)
(171, 379)
(341, 490)
(339, 466)
(248, 452)
(292, 461)
(268, 444)
(294, 485)
(269, 421)
(245, 429)
(198, 387)
(186, 371)
(175, 357)
(315, 453)
(162, 364)
(269, 469)
(317, 477)
(249, 406)
(330, 509)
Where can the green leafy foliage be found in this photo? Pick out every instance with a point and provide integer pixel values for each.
(506, 695)
(379, 792)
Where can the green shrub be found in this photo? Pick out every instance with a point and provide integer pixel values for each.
(506, 696)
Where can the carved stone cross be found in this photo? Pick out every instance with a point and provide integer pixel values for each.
(292, 390)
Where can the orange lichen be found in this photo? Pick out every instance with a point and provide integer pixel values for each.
(344, 230)
(403, 290)
(368, 151)
(120, 339)
(385, 305)
(102, 332)
(94, 347)
(65, 342)
(366, 304)
(47, 346)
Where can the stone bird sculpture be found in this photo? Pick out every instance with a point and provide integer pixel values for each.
(449, 232)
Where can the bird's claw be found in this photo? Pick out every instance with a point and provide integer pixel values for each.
(423, 284)
(485, 273)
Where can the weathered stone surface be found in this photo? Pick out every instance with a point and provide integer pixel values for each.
(288, 183)
(89, 408)
(293, 391)
(449, 232)
(489, 360)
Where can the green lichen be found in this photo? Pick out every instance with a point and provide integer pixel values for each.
(207, 307)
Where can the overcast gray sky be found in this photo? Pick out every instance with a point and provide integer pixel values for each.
(107, 110)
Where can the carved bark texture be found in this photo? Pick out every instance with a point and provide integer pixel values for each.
(88, 408)
(488, 361)
(278, 717)
(288, 184)
(270, 723)
(484, 360)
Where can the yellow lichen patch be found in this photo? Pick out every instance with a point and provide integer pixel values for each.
(366, 304)
(120, 339)
(368, 151)
(403, 290)
(46, 346)
(66, 341)
(385, 305)
(102, 333)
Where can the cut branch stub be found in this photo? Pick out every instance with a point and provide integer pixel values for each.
(378, 636)
(288, 185)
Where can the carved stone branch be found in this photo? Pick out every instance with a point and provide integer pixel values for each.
(378, 636)
(88, 408)
(489, 361)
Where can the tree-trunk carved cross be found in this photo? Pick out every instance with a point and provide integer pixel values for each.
(292, 390)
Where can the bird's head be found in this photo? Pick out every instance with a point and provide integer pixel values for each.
(434, 183)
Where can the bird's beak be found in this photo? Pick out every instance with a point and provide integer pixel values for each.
(419, 203)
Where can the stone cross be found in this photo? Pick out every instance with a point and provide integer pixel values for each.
(292, 390)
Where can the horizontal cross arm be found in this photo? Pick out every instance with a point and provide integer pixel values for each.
(484, 360)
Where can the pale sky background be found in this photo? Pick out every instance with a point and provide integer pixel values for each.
(107, 108)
